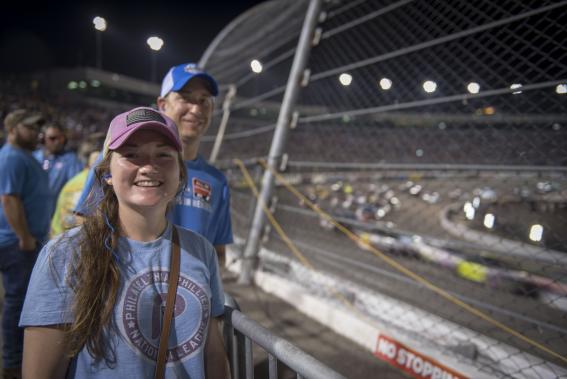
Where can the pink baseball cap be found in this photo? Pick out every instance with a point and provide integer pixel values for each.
(127, 123)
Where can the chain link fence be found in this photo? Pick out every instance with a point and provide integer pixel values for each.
(436, 132)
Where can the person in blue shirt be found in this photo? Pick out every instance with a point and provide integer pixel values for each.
(24, 224)
(61, 164)
(94, 308)
(187, 96)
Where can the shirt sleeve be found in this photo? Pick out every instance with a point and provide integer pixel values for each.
(75, 167)
(12, 180)
(224, 225)
(38, 155)
(82, 206)
(217, 291)
(48, 299)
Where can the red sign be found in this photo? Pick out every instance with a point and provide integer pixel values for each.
(408, 360)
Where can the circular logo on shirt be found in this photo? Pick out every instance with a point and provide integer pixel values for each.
(142, 311)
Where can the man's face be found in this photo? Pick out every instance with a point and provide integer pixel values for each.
(191, 108)
(54, 140)
(25, 136)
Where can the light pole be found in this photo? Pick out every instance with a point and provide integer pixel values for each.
(155, 43)
(100, 26)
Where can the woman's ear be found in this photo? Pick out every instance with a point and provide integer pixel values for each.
(107, 179)
(161, 103)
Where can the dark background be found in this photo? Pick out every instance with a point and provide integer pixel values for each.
(61, 34)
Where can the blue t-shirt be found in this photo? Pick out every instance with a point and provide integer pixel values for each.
(60, 168)
(204, 206)
(144, 268)
(21, 175)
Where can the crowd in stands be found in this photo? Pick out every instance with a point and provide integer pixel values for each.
(79, 118)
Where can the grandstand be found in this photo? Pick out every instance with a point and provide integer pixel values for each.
(83, 99)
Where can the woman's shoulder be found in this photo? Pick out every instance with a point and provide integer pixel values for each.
(68, 236)
(187, 234)
(191, 240)
(57, 252)
(63, 242)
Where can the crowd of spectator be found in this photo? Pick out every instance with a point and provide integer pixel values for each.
(79, 117)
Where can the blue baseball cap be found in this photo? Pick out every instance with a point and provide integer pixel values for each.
(178, 76)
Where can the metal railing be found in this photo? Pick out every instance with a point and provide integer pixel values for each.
(240, 332)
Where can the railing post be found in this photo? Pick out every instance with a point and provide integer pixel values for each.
(230, 336)
(280, 137)
(272, 367)
(249, 358)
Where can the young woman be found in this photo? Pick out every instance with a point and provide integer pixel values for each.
(95, 303)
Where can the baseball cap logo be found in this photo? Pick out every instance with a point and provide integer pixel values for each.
(142, 115)
(191, 68)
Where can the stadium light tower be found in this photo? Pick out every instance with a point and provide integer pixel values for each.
(155, 44)
(100, 26)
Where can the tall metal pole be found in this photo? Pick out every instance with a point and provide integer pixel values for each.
(229, 97)
(98, 49)
(153, 68)
(280, 137)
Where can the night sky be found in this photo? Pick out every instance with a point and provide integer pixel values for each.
(61, 34)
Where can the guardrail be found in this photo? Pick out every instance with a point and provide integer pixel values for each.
(240, 332)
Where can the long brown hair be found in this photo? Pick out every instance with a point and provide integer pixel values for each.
(94, 275)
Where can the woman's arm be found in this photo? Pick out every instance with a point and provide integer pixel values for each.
(44, 353)
(216, 364)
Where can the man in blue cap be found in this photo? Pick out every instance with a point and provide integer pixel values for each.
(187, 96)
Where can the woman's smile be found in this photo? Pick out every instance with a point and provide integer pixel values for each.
(148, 183)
